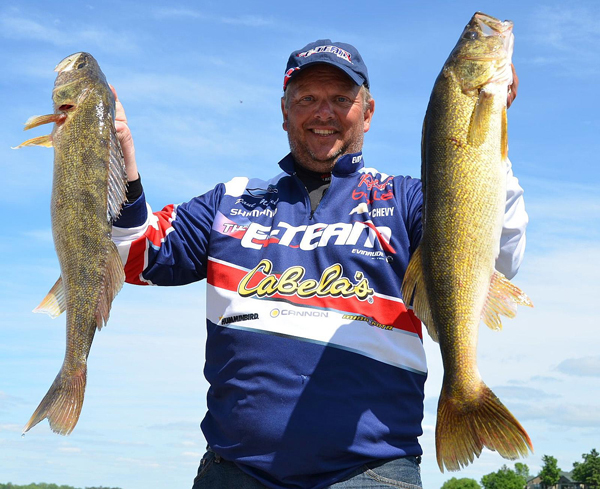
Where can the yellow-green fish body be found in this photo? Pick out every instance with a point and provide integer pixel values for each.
(88, 190)
(452, 273)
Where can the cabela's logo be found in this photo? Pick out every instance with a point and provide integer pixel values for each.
(261, 282)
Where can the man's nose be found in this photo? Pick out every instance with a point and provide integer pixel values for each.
(324, 110)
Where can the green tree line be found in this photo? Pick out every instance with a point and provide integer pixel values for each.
(586, 472)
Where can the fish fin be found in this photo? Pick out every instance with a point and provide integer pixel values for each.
(504, 135)
(113, 281)
(503, 298)
(480, 118)
(39, 141)
(54, 304)
(62, 404)
(117, 177)
(38, 120)
(464, 428)
(413, 289)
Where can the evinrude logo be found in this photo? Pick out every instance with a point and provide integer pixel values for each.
(261, 282)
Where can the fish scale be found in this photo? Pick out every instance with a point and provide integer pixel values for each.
(88, 190)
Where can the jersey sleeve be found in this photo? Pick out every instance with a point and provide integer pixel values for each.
(512, 240)
(168, 247)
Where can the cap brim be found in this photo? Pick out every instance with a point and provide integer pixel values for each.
(355, 77)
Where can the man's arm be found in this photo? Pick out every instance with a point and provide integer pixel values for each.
(168, 247)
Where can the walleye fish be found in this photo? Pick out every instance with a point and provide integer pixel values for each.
(88, 190)
(451, 277)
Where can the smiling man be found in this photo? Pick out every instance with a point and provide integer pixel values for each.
(315, 364)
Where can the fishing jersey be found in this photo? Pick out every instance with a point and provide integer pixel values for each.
(315, 364)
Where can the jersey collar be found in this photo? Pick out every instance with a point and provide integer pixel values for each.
(346, 165)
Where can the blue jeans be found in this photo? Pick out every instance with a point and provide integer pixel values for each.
(218, 473)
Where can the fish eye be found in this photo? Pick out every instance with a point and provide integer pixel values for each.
(472, 35)
(83, 63)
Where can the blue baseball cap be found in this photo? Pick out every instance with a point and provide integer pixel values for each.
(341, 55)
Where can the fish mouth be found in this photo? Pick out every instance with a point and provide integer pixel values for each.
(491, 26)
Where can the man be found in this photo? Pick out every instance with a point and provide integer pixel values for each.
(316, 367)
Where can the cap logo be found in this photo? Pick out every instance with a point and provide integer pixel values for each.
(339, 52)
(288, 75)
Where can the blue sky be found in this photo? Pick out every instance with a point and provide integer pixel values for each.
(201, 86)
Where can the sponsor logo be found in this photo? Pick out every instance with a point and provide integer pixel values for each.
(339, 52)
(382, 212)
(377, 212)
(288, 76)
(357, 159)
(261, 282)
(372, 254)
(370, 321)
(238, 318)
(253, 212)
(375, 190)
(275, 313)
(261, 192)
(373, 183)
(257, 198)
(317, 235)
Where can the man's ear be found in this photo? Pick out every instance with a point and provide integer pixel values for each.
(284, 113)
(368, 116)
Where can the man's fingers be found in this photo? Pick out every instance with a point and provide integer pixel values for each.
(119, 110)
(512, 89)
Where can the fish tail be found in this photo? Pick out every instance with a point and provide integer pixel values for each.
(62, 404)
(464, 428)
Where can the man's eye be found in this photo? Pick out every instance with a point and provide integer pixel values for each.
(343, 100)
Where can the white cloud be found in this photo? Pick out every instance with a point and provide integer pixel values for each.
(175, 12)
(16, 26)
(69, 449)
(176, 426)
(562, 414)
(571, 36)
(185, 13)
(518, 392)
(195, 455)
(41, 235)
(248, 20)
(586, 366)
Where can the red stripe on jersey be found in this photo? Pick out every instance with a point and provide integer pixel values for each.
(136, 261)
(160, 225)
(158, 228)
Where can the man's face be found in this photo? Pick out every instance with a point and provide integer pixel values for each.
(325, 117)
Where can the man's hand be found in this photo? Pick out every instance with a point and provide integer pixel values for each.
(512, 89)
(124, 135)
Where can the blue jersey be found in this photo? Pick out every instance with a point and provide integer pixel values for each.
(315, 364)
